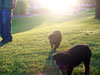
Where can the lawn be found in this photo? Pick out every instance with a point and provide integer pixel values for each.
(30, 52)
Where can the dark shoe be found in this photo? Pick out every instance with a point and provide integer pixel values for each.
(1, 41)
(5, 41)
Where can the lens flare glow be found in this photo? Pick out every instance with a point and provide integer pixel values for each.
(58, 6)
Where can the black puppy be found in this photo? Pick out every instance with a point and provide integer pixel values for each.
(66, 61)
(55, 39)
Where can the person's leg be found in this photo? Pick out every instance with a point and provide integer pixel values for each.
(1, 20)
(6, 31)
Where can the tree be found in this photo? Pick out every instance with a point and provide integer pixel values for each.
(21, 7)
(97, 14)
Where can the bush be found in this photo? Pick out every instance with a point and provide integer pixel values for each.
(21, 7)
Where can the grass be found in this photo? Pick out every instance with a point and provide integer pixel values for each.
(30, 52)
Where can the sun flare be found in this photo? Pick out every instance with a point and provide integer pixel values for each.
(58, 6)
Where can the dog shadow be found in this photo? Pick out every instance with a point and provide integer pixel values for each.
(49, 66)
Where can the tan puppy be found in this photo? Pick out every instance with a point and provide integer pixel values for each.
(55, 39)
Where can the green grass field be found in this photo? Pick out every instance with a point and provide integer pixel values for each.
(30, 53)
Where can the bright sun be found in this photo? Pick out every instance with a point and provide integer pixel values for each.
(58, 6)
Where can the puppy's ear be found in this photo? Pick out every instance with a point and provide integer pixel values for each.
(66, 58)
(49, 36)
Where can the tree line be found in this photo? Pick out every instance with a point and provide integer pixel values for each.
(22, 6)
